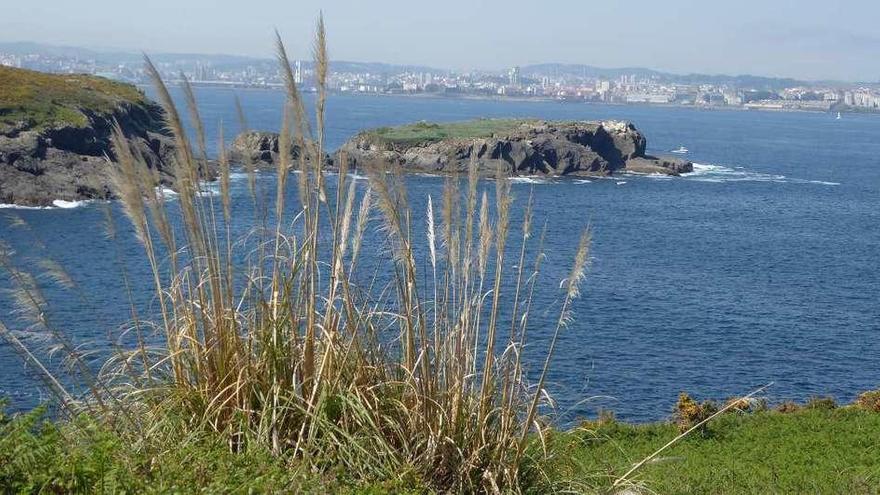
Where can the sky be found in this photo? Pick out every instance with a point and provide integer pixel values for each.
(807, 39)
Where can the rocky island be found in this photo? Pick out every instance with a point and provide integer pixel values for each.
(519, 147)
(55, 135)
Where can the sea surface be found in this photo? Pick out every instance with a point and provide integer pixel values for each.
(761, 266)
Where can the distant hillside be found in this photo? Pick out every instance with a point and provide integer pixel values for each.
(580, 70)
(35, 100)
(219, 61)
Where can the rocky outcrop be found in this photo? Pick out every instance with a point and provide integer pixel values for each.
(529, 148)
(261, 148)
(70, 162)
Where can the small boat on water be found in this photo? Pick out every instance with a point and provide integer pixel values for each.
(838, 115)
(681, 150)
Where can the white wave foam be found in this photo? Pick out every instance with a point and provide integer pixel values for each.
(583, 181)
(658, 176)
(718, 173)
(60, 203)
(56, 205)
(11, 206)
(529, 180)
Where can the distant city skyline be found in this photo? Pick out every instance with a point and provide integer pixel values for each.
(806, 39)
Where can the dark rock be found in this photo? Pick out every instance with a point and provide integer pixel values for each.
(663, 165)
(73, 163)
(262, 148)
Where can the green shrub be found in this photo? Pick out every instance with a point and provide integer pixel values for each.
(815, 402)
(688, 412)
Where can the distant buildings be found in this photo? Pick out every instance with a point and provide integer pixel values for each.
(514, 82)
(10, 60)
(297, 72)
(862, 98)
(513, 76)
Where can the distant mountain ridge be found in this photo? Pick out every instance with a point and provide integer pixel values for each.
(222, 61)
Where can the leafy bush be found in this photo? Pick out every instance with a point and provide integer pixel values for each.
(688, 412)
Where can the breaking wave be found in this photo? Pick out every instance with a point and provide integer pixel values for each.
(56, 205)
(719, 173)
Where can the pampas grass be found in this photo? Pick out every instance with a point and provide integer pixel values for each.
(292, 352)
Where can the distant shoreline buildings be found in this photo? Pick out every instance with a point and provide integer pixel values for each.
(519, 82)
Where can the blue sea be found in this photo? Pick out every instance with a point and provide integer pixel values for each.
(761, 266)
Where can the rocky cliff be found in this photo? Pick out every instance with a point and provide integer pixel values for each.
(55, 135)
(528, 147)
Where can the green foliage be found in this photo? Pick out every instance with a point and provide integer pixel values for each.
(46, 100)
(816, 450)
(689, 413)
(86, 456)
(425, 132)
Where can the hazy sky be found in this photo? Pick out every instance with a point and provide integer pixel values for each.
(812, 39)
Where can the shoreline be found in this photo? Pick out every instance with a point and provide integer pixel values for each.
(538, 99)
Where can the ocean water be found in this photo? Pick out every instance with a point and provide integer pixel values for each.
(761, 266)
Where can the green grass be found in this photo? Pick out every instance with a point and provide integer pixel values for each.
(426, 132)
(808, 451)
(45, 100)
(86, 456)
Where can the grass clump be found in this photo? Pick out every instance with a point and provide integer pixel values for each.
(46, 100)
(817, 402)
(417, 382)
(85, 455)
(869, 401)
(427, 132)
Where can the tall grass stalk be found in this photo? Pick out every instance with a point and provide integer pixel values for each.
(292, 353)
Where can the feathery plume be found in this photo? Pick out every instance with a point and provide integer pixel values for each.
(223, 161)
(485, 234)
(431, 235)
(578, 269)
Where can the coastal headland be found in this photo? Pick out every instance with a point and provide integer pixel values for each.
(55, 135)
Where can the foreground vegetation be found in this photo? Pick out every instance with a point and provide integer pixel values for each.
(426, 132)
(46, 100)
(812, 448)
(273, 349)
